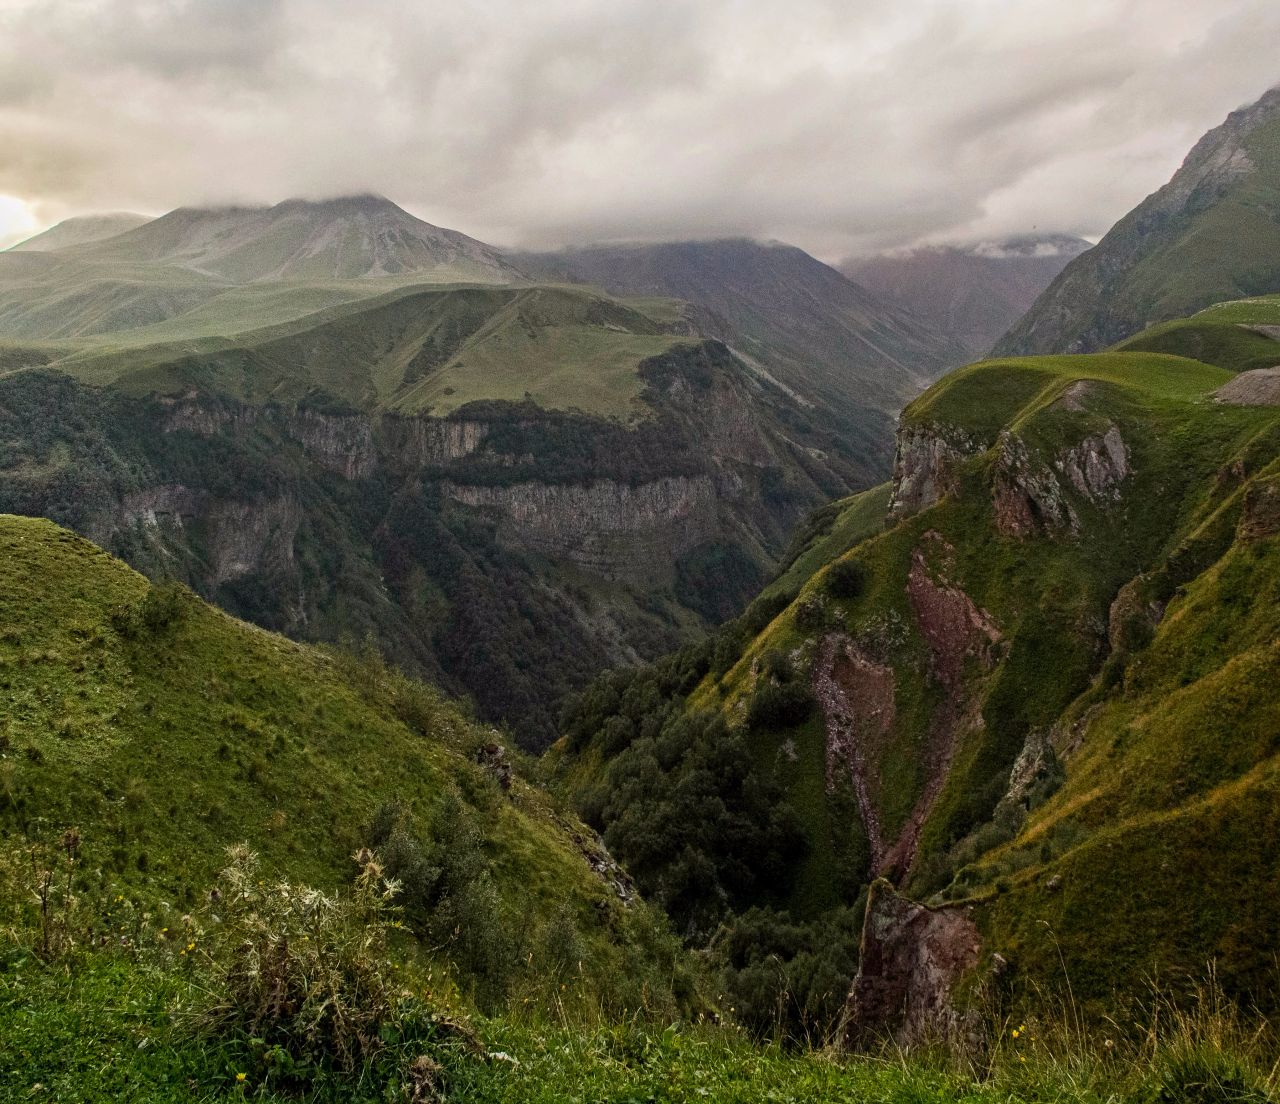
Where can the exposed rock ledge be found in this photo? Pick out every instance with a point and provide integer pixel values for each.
(241, 538)
(922, 466)
(1261, 387)
(613, 529)
(913, 960)
(351, 445)
(1029, 495)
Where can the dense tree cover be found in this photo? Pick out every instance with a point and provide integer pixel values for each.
(788, 978)
(682, 803)
(386, 556)
(716, 579)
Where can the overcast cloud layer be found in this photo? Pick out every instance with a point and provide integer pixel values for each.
(842, 126)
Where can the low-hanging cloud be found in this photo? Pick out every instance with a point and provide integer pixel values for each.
(841, 126)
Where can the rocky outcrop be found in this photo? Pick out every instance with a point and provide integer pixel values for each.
(1133, 615)
(191, 414)
(1097, 465)
(168, 504)
(1260, 387)
(1027, 496)
(245, 538)
(420, 442)
(956, 632)
(912, 963)
(342, 444)
(953, 627)
(613, 529)
(1261, 515)
(239, 538)
(1030, 496)
(923, 466)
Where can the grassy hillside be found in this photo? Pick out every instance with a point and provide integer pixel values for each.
(1208, 235)
(165, 731)
(1241, 335)
(410, 349)
(145, 730)
(1073, 592)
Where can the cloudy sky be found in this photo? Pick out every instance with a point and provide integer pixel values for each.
(840, 125)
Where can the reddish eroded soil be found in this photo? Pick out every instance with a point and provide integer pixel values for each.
(952, 626)
(856, 697)
(955, 631)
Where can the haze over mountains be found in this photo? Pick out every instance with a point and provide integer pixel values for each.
(878, 701)
(345, 238)
(814, 328)
(81, 231)
(972, 293)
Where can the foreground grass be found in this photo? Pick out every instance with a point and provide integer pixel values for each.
(109, 1029)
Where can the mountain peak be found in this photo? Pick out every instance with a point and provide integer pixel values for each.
(338, 237)
(1212, 233)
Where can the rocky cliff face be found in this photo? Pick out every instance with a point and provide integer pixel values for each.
(237, 538)
(923, 466)
(615, 530)
(503, 549)
(1029, 495)
(912, 962)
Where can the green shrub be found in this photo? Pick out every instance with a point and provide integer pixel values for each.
(1206, 1074)
(846, 579)
(160, 608)
(776, 706)
(447, 894)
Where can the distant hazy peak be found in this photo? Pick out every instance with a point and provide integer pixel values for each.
(1030, 245)
(81, 230)
(343, 237)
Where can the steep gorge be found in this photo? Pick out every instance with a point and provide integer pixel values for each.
(506, 549)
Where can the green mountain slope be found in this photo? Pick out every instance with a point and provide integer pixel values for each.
(1055, 645)
(1243, 336)
(166, 731)
(502, 547)
(412, 348)
(303, 414)
(1209, 234)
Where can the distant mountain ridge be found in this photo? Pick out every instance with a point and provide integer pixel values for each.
(972, 293)
(785, 308)
(81, 230)
(345, 238)
(1211, 234)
